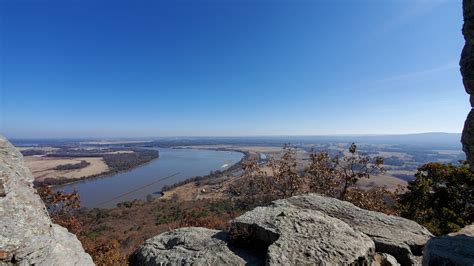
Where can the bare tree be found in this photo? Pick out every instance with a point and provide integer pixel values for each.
(286, 181)
(355, 166)
(330, 176)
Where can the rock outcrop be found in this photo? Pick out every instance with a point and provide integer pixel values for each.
(192, 246)
(297, 236)
(308, 229)
(27, 235)
(467, 72)
(402, 238)
(453, 249)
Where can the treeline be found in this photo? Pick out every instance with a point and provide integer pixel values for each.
(119, 161)
(126, 161)
(72, 166)
(31, 152)
(116, 162)
(80, 153)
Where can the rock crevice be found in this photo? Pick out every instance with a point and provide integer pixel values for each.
(302, 230)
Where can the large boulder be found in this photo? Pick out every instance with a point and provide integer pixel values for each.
(402, 238)
(302, 237)
(453, 249)
(308, 230)
(27, 235)
(191, 246)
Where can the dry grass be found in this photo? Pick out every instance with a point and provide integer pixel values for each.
(381, 180)
(43, 167)
(185, 192)
(194, 191)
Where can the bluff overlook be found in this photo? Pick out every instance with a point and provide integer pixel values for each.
(302, 229)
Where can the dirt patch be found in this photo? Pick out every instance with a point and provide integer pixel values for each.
(195, 191)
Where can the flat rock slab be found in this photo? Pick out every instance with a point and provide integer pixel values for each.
(301, 237)
(191, 246)
(402, 238)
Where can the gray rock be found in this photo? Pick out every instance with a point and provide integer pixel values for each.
(301, 230)
(402, 238)
(384, 259)
(301, 237)
(467, 230)
(467, 71)
(452, 249)
(191, 246)
(27, 234)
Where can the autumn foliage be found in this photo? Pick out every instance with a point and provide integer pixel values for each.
(62, 207)
(333, 176)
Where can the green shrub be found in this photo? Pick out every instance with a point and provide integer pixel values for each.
(441, 197)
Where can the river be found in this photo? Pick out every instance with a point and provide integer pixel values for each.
(146, 179)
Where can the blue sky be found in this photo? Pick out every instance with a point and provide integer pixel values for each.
(230, 68)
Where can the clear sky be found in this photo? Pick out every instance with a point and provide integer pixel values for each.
(225, 67)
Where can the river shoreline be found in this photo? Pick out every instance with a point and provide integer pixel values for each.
(72, 181)
(183, 164)
(229, 170)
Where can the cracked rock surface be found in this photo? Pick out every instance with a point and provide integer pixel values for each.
(27, 235)
(302, 237)
(302, 230)
(191, 246)
(402, 238)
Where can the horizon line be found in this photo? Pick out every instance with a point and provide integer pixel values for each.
(231, 136)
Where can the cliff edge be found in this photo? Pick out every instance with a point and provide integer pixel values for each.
(27, 234)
